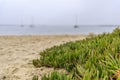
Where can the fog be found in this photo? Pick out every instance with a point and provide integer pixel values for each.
(60, 12)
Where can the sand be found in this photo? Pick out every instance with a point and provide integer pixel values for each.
(17, 53)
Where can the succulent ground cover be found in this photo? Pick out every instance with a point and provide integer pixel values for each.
(96, 58)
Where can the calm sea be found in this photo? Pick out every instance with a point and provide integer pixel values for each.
(49, 30)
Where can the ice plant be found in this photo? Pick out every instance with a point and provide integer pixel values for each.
(93, 58)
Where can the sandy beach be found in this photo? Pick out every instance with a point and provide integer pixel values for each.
(17, 53)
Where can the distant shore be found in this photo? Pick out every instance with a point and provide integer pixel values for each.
(17, 53)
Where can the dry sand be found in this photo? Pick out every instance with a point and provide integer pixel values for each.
(17, 53)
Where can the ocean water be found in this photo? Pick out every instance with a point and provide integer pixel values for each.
(56, 30)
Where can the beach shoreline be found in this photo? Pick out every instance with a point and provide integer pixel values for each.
(18, 51)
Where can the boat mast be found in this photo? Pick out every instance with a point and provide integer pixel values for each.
(76, 22)
(22, 25)
(32, 22)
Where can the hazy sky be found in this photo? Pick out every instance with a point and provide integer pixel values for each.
(59, 12)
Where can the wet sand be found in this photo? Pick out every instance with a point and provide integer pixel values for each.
(17, 53)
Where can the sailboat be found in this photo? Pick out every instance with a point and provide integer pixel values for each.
(31, 25)
(76, 25)
(22, 25)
